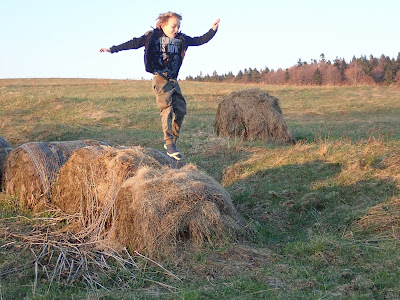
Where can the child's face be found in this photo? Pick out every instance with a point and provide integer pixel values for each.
(171, 29)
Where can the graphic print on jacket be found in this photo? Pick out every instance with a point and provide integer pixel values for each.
(169, 56)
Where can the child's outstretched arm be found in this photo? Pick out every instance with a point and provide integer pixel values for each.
(105, 50)
(215, 25)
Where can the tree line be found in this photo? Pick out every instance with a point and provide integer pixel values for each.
(362, 70)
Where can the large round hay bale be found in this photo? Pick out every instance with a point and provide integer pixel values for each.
(160, 210)
(252, 114)
(31, 169)
(5, 148)
(89, 181)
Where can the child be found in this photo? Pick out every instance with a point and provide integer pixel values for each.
(165, 48)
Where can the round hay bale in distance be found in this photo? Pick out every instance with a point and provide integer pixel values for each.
(252, 114)
(31, 169)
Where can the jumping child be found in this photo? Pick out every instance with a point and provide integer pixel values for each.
(165, 48)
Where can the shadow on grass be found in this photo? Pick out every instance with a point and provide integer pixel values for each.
(355, 129)
(295, 201)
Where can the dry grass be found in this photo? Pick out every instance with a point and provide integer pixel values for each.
(383, 217)
(60, 258)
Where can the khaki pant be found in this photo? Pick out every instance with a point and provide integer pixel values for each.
(172, 106)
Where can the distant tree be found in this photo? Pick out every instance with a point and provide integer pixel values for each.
(239, 76)
(330, 74)
(389, 74)
(317, 77)
(341, 64)
(362, 70)
(255, 75)
(229, 76)
(355, 74)
(287, 75)
(397, 78)
(299, 63)
(215, 77)
(247, 74)
(364, 64)
(378, 72)
(322, 58)
(274, 77)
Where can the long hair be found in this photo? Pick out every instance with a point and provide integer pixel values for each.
(163, 18)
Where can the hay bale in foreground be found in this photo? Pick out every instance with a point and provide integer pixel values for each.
(31, 169)
(89, 182)
(160, 210)
(5, 148)
(252, 114)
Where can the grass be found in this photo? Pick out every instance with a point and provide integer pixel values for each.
(325, 212)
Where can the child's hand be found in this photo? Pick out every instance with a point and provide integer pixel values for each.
(105, 50)
(215, 25)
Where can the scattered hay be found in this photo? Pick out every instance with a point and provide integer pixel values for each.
(89, 182)
(31, 169)
(160, 210)
(54, 258)
(5, 148)
(382, 217)
(252, 114)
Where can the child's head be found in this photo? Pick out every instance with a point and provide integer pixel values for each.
(170, 23)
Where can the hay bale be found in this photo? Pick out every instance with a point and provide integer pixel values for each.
(88, 183)
(31, 169)
(252, 114)
(160, 210)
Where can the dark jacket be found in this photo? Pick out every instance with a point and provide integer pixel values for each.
(157, 57)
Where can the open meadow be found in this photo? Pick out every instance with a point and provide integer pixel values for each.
(324, 213)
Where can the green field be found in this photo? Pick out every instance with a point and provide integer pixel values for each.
(326, 211)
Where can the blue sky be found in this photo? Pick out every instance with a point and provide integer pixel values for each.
(60, 38)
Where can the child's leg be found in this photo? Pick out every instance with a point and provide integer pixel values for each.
(179, 106)
(167, 93)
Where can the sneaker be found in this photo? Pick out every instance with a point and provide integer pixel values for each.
(173, 152)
